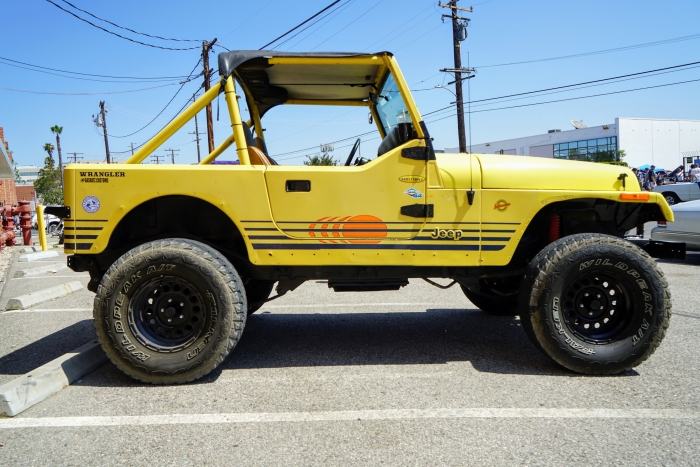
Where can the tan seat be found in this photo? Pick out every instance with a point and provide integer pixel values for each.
(257, 157)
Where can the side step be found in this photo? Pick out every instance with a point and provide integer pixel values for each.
(363, 285)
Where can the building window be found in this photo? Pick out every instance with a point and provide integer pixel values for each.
(594, 150)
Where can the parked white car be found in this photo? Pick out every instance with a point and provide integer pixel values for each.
(50, 221)
(679, 192)
(686, 227)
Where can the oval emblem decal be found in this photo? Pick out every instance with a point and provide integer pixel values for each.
(411, 178)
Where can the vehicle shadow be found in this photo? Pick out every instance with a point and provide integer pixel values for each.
(42, 351)
(492, 344)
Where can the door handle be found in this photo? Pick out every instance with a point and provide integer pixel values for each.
(298, 185)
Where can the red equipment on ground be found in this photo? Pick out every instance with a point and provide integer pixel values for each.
(8, 213)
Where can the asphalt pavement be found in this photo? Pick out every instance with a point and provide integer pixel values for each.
(413, 377)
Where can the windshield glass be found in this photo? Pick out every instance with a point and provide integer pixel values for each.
(390, 106)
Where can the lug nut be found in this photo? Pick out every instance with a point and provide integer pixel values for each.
(170, 320)
(182, 316)
(152, 322)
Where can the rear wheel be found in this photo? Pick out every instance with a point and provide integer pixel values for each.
(671, 198)
(595, 304)
(169, 311)
(494, 296)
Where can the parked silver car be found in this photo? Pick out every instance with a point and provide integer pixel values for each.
(678, 192)
(686, 227)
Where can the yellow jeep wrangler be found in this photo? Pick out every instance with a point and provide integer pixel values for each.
(180, 255)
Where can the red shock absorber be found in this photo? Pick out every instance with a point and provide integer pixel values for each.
(553, 233)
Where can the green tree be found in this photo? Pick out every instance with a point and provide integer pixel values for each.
(47, 185)
(620, 154)
(57, 130)
(323, 159)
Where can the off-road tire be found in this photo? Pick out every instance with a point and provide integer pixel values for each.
(671, 198)
(257, 292)
(180, 280)
(492, 304)
(629, 284)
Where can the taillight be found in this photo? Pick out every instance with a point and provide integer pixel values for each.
(661, 223)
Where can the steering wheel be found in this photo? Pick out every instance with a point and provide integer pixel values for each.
(353, 151)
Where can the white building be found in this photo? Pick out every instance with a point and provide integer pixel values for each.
(29, 173)
(663, 143)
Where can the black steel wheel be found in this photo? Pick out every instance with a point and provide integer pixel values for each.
(166, 313)
(595, 304)
(169, 311)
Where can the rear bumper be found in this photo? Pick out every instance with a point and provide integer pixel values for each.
(660, 249)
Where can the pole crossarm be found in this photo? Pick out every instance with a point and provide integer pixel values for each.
(458, 70)
(456, 17)
(454, 7)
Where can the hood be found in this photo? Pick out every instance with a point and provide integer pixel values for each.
(535, 173)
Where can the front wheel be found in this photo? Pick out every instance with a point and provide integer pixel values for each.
(169, 311)
(595, 304)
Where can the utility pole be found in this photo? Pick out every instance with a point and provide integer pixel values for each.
(196, 132)
(172, 154)
(156, 159)
(104, 127)
(206, 47)
(459, 33)
(132, 149)
(75, 157)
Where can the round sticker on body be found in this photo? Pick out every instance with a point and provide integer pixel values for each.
(91, 204)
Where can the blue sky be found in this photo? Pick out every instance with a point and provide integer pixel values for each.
(501, 31)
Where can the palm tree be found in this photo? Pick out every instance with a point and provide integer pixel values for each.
(48, 147)
(57, 131)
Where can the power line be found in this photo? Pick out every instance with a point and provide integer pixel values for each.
(85, 93)
(245, 21)
(330, 15)
(404, 25)
(572, 85)
(81, 78)
(90, 74)
(166, 105)
(335, 33)
(118, 35)
(598, 52)
(295, 27)
(576, 98)
(173, 118)
(130, 30)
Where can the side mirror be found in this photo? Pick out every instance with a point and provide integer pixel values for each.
(370, 119)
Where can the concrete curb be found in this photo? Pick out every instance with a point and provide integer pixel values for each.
(49, 268)
(37, 256)
(26, 301)
(30, 249)
(21, 393)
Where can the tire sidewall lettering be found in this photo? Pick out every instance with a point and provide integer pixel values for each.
(642, 299)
